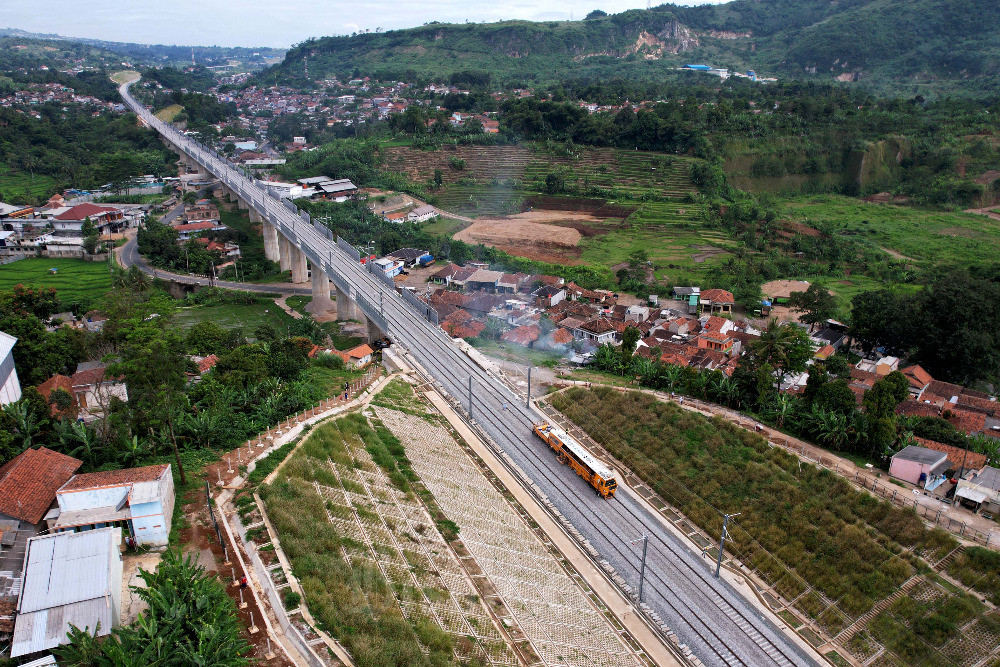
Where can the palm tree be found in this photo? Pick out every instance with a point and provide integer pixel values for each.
(774, 345)
(669, 377)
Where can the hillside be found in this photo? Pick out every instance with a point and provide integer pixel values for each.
(888, 45)
(112, 53)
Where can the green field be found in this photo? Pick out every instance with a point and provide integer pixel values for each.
(75, 280)
(677, 239)
(444, 226)
(933, 237)
(17, 186)
(231, 316)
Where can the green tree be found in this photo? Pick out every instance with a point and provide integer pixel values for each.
(816, 304)
(91, 236)
(785, 347)
(630, 338)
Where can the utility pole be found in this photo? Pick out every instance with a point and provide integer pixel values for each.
(527, 396)
(722, 541)
(642, 564)
(961, 472)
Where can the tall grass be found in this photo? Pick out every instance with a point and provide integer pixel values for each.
(352, 601)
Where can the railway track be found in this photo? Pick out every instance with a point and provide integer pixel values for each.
(707, 614)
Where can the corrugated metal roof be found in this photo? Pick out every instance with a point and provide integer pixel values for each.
(47, 628)
(67, 580)
(65, 568)
(6, 344)
(975, 495)
(91, 516)
(920, 455)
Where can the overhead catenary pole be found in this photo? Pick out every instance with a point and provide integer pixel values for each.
(642, 568)
(642, 564)
(722, 541)
(470, 397)
(527, 395)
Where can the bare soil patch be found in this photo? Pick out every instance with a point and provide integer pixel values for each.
(790, 229)
(548, 236)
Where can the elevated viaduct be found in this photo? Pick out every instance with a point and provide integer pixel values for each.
(712, 620)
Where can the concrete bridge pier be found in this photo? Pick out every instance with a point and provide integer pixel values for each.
(321, 301)
(284, 252)
(347, 309)
(300, 269)
(242, 205)
(374, 333)
(270, 233)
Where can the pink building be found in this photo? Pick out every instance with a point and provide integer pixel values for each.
(918, 465)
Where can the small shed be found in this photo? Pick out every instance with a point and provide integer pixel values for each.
(69, 579)
(981, 490)
(918, 465)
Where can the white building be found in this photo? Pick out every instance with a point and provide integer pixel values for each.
(422, 214)
(94, 389)
(10, 388)
(286, 190)
(138, 499)
(69, 579)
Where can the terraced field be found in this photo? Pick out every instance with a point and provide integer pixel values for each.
(17, 186)
(75, 280)
(617, 171)
(495, 179)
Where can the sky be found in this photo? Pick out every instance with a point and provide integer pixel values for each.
(275, 23)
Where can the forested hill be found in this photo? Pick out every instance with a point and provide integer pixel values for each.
(897, 45)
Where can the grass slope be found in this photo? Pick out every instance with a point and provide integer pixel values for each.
(932, 237)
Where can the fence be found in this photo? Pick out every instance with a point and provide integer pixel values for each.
(215, 522)
(412, 299)
(349, 249)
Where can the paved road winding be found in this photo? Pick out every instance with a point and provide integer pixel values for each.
(707, 614)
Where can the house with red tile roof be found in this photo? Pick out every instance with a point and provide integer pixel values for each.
(461, 324)
(824, 352)
(524, 336)
(358, 357)
(62, 383)
(918, 378)
(964, 420)
(599, 330)
(717, 301)
(141, 500)
(29, 481)
(958, 456)
(562, 337)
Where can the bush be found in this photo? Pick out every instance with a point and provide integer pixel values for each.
(291, 598)
(332, 361)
